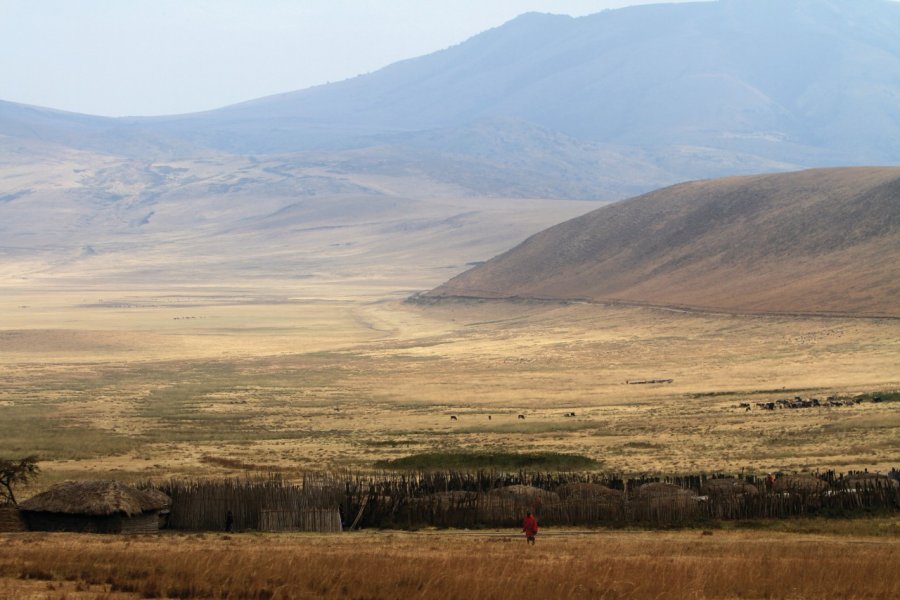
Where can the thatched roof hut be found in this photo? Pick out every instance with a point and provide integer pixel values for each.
(524, 494)
(591, 502)
(511, 502)
(726, 486)
(94, 506)
(799, 484)
(863, 481)
(664, 502)
(589, 492)
(662, 490)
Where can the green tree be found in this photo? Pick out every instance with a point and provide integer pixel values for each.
(15, 472)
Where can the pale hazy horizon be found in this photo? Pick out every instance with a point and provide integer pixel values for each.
(109, 58)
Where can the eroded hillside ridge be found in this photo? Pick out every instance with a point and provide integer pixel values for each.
(818, 241)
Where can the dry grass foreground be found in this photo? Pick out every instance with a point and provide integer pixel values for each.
(451, 565)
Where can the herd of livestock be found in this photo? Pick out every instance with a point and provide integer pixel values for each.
(798, 402)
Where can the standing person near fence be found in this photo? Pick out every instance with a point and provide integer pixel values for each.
(530, 527)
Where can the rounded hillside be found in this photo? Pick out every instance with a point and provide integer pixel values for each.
(818, 241)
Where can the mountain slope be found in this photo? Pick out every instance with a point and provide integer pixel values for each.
(598, 107)
(815, 241)
(33, 126)
(81, 217)
(811, 82)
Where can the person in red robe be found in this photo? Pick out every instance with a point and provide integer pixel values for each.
(530, 527)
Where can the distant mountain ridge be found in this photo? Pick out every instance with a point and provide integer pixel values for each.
(447, 159)
(811, 82)
(820, 241)
(672, 91)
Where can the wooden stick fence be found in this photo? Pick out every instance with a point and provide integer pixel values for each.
(11, 520)
(203, 505)
(336, 501)
(326, 520)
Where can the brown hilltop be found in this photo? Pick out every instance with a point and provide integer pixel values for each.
(818, 241)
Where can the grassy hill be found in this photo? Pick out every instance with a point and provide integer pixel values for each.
(818, 241)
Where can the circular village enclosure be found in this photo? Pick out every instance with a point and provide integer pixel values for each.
(332, 502)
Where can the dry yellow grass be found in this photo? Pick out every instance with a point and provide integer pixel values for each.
(139, 392)
(454, 565)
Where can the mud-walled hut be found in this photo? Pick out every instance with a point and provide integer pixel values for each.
(95, 507)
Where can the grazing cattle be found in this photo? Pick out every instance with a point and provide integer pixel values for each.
(489, 417)
(876, 399)
(522, 417)
(569, 414)
(453, 418)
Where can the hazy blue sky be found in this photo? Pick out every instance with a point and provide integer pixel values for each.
(149, 57)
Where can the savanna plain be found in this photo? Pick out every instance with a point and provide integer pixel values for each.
(281, 293)
(221, 381)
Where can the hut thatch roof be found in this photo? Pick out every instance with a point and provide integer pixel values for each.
(799, 484)
(96, 498)
(447, 500)
(156, 497)
(868, 480)
(661, 490)
(727, 486)
(524, 494)
(587, 491)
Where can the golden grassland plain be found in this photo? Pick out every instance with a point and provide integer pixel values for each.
(471, 565)
(141, 384)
